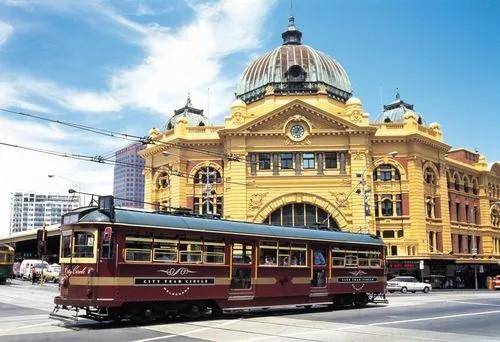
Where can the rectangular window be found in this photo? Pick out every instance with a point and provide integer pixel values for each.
(242, 253)
(213, 252)
(388, 234)
(66, 244)
(298, 254)
(338, 258)
(190, 251)
(268, 253)
(330, 160)
(375, 260)
(399, 206)
(351, 258)
(138, 248)
(264, 161)
(84, 245)
(394, 250)
(286, 160)
(165, 250)
(363, 259)
(284, 254)
(308, 160)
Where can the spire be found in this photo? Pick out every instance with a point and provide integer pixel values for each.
(291, 34)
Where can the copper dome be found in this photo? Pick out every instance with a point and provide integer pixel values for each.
(294, 63)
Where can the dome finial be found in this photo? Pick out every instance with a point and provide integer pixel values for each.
(291, 35)
(398, 97)
(188, 101)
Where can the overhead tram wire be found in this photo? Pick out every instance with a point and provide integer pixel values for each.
(108, 161)
(124, 136)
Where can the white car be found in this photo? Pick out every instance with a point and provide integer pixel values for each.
(405, 284)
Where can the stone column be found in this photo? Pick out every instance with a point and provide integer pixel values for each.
(320, 157)
(298, 163)
(342, 158)
(417, 205)
(275, 159)
(444, 210)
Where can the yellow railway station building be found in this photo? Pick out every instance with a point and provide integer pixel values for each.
(297, 149)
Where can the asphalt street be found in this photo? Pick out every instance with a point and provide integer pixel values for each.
(437, 316)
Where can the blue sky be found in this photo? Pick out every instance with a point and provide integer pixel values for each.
(127, 64)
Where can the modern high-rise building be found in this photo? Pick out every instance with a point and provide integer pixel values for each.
(128, 185)
(31, 211)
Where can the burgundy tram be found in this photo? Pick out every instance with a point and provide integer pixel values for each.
(119, 263)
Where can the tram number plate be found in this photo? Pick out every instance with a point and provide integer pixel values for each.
(357, 279)
(173, 281)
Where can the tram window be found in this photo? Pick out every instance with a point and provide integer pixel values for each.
(241, 278)
(284, 254)
(213, 252)
(66, 244)
(363, 259)
(165, 250)
(242, 253)
(268, 253)
(190, 251)
(351, 259)
(138, 248)
(298, 254)
(84, 245)
(319, 278)
(375, 259)
(319, 257)
(338, 258)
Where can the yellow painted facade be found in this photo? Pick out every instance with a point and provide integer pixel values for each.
(245, 155)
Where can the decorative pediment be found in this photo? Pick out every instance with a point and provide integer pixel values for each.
(315, 119)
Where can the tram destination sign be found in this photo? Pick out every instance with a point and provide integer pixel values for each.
(357, 279)
(146, 281)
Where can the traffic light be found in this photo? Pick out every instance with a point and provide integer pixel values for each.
(41, 241)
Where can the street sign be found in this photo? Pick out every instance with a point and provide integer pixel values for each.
(421, 265)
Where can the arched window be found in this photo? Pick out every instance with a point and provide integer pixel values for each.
(213, 175)
(429, 176)
(386, 172)
(301, 215)
(466, 184)
(448, 180)
(386, 206)
(162, 181)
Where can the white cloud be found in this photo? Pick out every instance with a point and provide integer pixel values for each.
(191, 59)
(5, 32)
(186, 59)
(22, 91)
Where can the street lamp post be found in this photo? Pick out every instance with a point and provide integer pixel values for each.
(78, 186)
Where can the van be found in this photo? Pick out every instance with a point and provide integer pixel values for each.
(26, 265)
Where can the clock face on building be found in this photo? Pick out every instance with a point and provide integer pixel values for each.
(297, 131)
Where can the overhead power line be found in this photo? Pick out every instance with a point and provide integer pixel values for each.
(124, 136)
(109, 161)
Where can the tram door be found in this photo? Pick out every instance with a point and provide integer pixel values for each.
(242, 257)
(319, 269)
(108, 254)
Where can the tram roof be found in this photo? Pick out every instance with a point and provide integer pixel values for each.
(199, 224)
